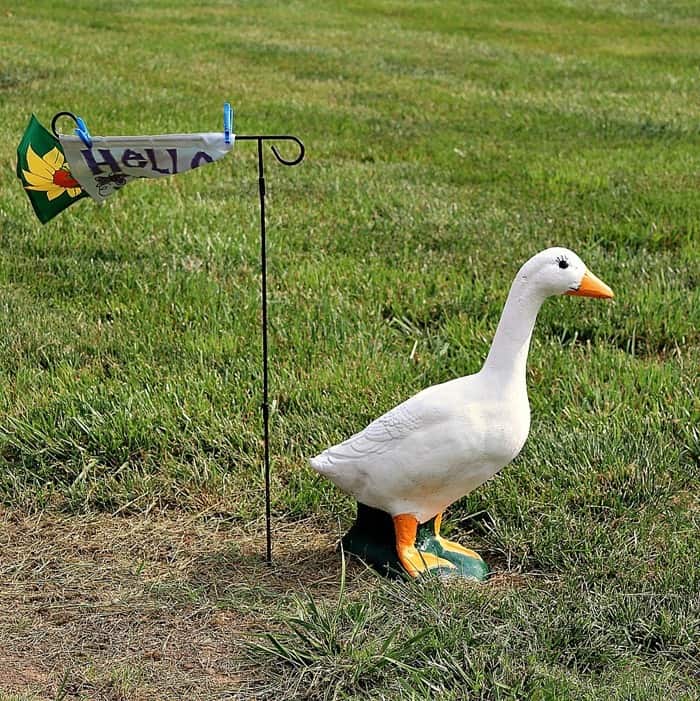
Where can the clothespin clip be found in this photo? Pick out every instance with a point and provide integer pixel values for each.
(82, 132)
(228, 122)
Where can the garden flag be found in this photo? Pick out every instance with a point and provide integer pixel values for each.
(57, 172)
(44, 172)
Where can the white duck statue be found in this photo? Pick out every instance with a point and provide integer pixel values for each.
(410, 464)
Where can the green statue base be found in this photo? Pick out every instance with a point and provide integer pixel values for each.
(372, 538)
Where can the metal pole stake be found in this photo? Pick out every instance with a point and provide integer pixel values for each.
(263, 271)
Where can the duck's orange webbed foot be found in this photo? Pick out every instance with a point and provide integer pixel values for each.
(451, 545)
(466, 562)
(414, 561)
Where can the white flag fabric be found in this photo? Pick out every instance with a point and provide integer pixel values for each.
(113, 161)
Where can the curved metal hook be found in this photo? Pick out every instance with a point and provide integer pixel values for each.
(284, 161)
(57, 116)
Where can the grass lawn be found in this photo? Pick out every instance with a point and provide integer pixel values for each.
(446, 143)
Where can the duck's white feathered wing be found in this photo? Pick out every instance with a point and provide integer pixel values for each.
(405, 455)
(382, 435)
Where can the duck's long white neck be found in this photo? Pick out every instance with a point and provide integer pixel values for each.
(508, 354)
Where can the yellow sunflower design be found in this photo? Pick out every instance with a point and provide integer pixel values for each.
(50, 174)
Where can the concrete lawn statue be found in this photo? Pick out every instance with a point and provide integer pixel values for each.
(410, 464)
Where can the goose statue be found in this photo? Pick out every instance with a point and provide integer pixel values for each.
(410, 464)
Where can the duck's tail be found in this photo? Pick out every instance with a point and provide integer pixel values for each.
(320, 463)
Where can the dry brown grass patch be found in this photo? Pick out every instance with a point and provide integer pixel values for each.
(146, 607)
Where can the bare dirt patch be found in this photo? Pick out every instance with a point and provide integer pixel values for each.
(146, 607)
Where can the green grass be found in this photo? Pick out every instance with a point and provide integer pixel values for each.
(546, 640)
(446, 143)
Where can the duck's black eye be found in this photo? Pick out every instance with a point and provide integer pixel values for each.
(563, 263)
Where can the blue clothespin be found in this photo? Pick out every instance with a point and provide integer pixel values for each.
(228, 122)
(82, 132)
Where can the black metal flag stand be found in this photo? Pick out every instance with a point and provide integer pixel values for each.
(260, 139)
(263, 272)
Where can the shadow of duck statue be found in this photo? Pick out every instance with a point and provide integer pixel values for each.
(410, 464)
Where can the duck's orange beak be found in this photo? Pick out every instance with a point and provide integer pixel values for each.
(591, 286)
